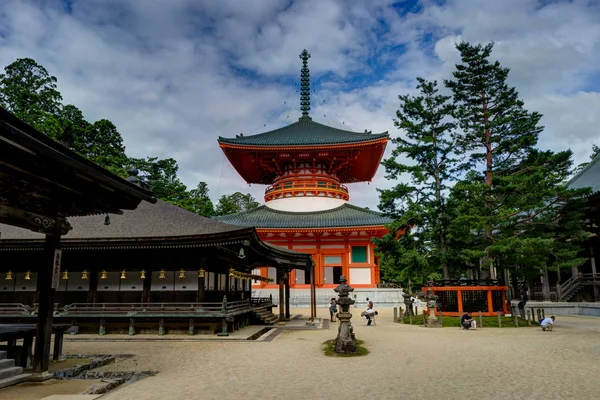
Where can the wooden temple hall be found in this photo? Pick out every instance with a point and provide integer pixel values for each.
(81, 245)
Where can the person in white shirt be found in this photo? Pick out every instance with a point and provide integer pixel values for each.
(547, 323)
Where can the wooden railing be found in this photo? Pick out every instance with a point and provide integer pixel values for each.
(14, 309)
(305, 186)
(261, 301)
(572, 285)
(468, 282)
(130, 309)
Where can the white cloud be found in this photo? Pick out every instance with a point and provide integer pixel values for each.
(174, 75)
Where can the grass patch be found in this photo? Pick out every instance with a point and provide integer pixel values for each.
(488, 322)
(329, 345)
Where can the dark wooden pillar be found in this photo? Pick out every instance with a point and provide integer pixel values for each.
(147, 287)
(286, 282)
(48, 275)
(201, 289)
(313, 303)
(93, 287)
(281, 296)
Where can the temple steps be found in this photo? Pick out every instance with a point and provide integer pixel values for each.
(9, 374)
(265, 316)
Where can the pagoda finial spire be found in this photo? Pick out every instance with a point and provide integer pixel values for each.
(305, 84)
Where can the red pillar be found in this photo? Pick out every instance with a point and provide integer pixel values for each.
(490, 302)
(460, 303)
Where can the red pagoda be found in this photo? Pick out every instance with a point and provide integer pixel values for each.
(307, 209)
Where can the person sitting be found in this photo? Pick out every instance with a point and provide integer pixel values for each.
(467, 321)
(547, 323)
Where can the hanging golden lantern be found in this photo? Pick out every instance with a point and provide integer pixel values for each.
(9, 275)
(123, 274)
(103, 274)
(181, 274)
(162, 274)
(28, 275)
(201, 273)
(231, 272)
(65, 275)
(143, 274)
(84, 274)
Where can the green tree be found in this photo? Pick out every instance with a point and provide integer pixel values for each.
(519, 197)
(160, 176)
(496, 130)
(30, 92)
(198, 201)
(74, 127)
(427, 125)
(235, 203)
(103, 144)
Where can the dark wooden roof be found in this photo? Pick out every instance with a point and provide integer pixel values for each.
(159, 225)
(346, 215)
(304, 132)
(158, 220)
(40, 179)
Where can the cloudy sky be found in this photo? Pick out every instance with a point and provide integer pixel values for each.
(174, 75)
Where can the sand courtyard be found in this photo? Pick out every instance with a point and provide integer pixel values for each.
(405, 361)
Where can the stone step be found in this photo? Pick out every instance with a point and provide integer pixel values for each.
(14, 380)
(7, 363)
(2, 355)
(10, 372)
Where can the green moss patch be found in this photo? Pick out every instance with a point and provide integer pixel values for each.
(329, 345)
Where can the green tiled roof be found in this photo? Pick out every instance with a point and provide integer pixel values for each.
(343, 216)
(588, 177)
(302, 133)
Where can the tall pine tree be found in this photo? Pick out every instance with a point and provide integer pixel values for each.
(425, 121)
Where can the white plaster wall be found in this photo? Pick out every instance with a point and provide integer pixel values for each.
(190, 282)
(25, 285)
(305, 204)
(360, 275)
(301, 297)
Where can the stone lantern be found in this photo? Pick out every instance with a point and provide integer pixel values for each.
(344, 343)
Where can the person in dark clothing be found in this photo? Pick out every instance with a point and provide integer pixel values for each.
(466, 320)
(332, 309)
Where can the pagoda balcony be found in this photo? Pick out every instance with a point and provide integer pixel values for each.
(306, 188)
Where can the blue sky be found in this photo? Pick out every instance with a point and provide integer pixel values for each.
(174, 75)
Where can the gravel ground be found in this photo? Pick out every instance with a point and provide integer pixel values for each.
(405, 361)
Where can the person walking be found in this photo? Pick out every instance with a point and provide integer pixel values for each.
(332, 309)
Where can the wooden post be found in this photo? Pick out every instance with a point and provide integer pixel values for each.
(281, 297)
(499, 319)
(102, 328)
(161, 326)
(286, 282)
(147, 286)
(516, 320)
(191, 327)
(131, 326)
(480, 319)
(48, 275)
(58, 344)
(529, 318)
(395, 314)
(201, 288)
(400, 315)
(93, 287)
(543, 313)
(441, 319)
(410, 318)
(313, 291)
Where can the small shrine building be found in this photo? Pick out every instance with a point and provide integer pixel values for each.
(306, 166)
